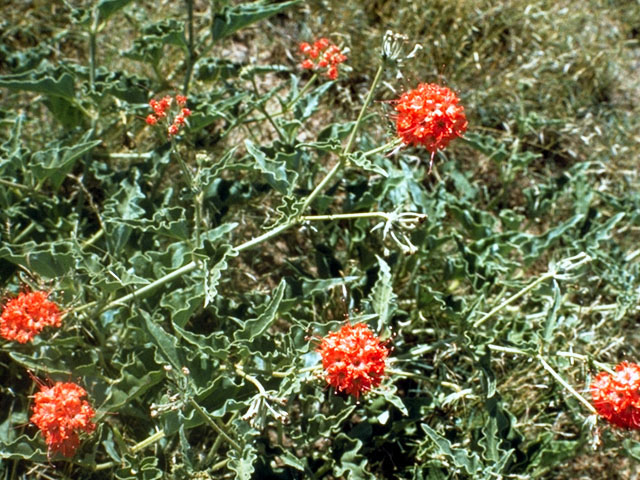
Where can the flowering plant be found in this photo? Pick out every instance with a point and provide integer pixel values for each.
(322, 54)
(160, 109)
(191, 276)
(60, 412)
(430, 116)
(26, 315)
(616, 396)
(353, 359)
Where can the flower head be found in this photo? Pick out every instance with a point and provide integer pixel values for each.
(617, 397)
(160, 109)
(26, 315)
(322, 55)
(60, 413)
(353, 359)
(430, 116)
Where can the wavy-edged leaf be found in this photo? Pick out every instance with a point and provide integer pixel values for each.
(460, 457)
(275, 171)
(56, 162)
(257, 326)
(233, 18)
(383, 298)
(41, 81)
(23, 448)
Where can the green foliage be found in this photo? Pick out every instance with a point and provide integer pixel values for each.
(197, 273)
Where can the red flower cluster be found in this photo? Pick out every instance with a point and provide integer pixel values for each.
(25, 316)
(60, 413)
(617, 397)
(160, 108)
(429, 115)
(322, 54)
(353, 359)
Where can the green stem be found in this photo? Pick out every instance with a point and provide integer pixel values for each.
(215, 426)
(584, 358)
(367, 101)
(345, 216)
(219, 466)
(183, 166)
(92, 49)
(347, 149)
(15, 185)
(251, 379)
(190, 54)
(95, 237)
(301, 370)
(136, 448)
(550, 370)
(300, 94)
(402, 373)
(289, 105)
(189, 267)
(24, 232)
(514, 297)
(264, 111)
(126, 156)
(562, 382)
(565, 265)
(387, 146)
(159, 435)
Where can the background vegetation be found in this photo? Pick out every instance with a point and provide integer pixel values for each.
(524, 272)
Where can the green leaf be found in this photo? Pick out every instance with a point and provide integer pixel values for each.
(242, 463)
(632, 448)
(13, 156)
(209, 69)
(364, 163)
(389, 394)
(212, 274)
(22, 448)
(255, 327)
(352, 464)
(274, 171)
(383, 297)
(56, 162)
(138, 468)
(233, 18)
(552, 314)
(308, 105)
(290, 460)
(49, 260)
(167, 344)
(149, 47)
(41, 81)
(461, 458)
(109, 7)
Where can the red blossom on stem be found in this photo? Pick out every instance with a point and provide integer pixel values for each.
(60, 413)
(322, 54)
(26, 315)
(429, 116)
(616, 397)
(160, 108)
(353, 359)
